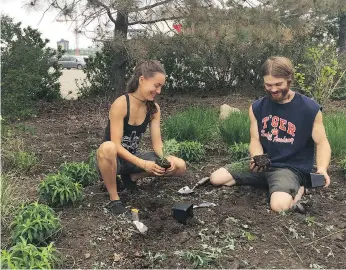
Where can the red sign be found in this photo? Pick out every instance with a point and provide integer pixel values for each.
(177, 26)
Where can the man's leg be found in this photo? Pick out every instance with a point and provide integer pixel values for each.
(285, 188)
(224, 176)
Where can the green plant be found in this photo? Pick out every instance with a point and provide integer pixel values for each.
(199, 258)
(60, 190)
(335, 125)
(321, 73)
(239, 151)
(92, 159)
(79, 172)
(22, 160)
(28, 74)
(193, 124)
(235, 128)
(170, 147)
(9, 199)
(191, 151)
(35, 223)
(238, 167)
(153, 257)
(27, 256)
(342, 164)
(249, 236)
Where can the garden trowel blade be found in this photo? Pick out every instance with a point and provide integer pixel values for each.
(185, 190)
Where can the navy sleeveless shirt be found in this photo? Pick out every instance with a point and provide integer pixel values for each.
(285, 131)
(131, 134)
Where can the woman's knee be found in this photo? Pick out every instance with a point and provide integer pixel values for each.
(107, 150)
(180, 166)
(220, 177)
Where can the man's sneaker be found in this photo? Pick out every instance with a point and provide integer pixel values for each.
(116, 207)
(128, 183)
(299, 208)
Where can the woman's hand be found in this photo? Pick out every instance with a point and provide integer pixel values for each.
(172, 168)
(153, 168)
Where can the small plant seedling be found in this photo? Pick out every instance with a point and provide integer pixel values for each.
(183, 212)
(317, 180)
(162, 160)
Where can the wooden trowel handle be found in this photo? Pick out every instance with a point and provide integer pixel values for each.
(202, 181)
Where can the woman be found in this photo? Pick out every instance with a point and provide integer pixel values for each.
(129, 117)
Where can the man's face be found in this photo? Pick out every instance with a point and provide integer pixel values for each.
(276, 88)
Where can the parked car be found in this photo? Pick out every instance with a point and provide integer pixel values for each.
(71, 62)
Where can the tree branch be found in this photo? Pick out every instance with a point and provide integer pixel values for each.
(109, 13)
(150, 6)
(156, 20)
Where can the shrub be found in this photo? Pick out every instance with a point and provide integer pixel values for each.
(26, 256)
(191, 151)
(238, 167)
(170, 147)
(91, 159)
(27, 73)
(60, 190)
(235, 129)
(80, 172)
(21, 160)
(335, 125)
(239, 151)
(320, 74)
(35, 223)
(193, 124)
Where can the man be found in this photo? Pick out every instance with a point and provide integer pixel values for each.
(286, 126)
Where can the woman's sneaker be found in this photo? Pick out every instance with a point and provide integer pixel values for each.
(116, 207)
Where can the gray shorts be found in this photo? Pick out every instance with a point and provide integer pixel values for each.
(287, 180)
(125, 167)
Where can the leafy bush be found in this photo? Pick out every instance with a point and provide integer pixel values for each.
(335, 125)
(21, 160)
(320, 74)
(27, 71)
(193, 124)
(91, 159)
(170, 147)
(80, 172)
(35, 223)
(235, 128)
(239, 151)
(191, 151)
(60, 190)
(26, 256)
(238, 167)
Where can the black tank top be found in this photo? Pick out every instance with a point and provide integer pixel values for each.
(131, 134)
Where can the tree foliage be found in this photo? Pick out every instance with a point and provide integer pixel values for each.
(27, 72)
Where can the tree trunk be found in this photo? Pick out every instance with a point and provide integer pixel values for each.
(342, 33)
(120, 55)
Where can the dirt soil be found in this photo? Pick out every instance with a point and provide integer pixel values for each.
(240, 232)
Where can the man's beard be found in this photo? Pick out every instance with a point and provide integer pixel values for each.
(282, 95)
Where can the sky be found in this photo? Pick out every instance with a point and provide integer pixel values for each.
(49, 28)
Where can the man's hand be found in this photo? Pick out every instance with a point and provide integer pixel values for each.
(326, 176)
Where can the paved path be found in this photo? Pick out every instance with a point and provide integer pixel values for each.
(68, 82)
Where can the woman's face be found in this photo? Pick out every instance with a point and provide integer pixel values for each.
(152, 86)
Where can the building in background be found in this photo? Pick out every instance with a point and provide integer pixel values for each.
(63, 43)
